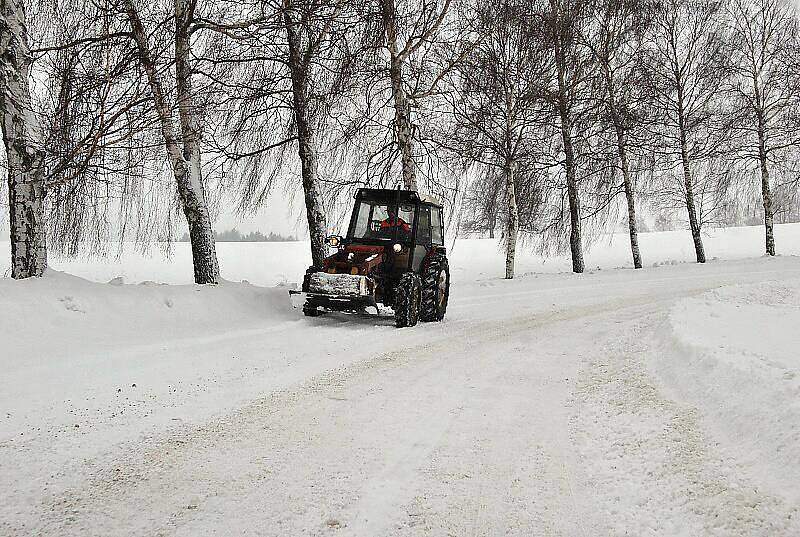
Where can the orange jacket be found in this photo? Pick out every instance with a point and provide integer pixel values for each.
(398, 222)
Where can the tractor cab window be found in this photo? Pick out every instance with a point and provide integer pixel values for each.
(436, 226)
(382, 221)
(424, 226)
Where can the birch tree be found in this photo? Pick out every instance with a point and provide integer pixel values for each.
(84, 104)
(24, 153)
(497, 107)
(572, 70)
(615, 41)
(285, 69)
(181, 136)
(764, 38)
(404, 35)
(299, 59)
(684, 59)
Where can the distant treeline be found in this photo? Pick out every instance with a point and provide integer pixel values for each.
(234, 235)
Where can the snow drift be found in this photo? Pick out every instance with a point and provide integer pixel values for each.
(66, 341)
(71, 312)
(735, 353)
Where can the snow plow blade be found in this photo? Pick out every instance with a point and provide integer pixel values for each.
(335, 292)
(295, 295)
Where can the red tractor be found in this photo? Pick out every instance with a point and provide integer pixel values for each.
(393, 254)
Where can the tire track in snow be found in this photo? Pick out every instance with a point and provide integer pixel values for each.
(653, 464)
(181, 457)
(301, 459)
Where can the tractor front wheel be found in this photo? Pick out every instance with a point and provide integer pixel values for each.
(406, 300)
(311, 311)
(435, 289)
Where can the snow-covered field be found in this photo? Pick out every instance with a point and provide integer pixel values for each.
(270, 264)
(660, 402)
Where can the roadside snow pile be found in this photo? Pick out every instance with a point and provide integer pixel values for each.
(64, 340)
(72, 312)
(735, 353)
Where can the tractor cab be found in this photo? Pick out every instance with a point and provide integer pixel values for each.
(404, 226)
(394, 239)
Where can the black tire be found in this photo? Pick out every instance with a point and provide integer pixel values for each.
(312, 311)
(406, 300)
(435, 289)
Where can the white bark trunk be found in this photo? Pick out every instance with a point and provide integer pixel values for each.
(766, 197)
(307, 150)
(512, 224)
(26, 189)
(633, 233)
(575, 239)
(766, 193)
(192, 189)
(694, 222)
(184, 154)
(622, 152)
(402, 107)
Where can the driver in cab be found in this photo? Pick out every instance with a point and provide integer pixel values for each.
(393, 222)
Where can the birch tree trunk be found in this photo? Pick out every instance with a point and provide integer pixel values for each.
(764, 35)
(626, 179)
(575, 246)
(315, 213)
(694, 223)
(191, 188)
(402, 107)
(575, 241)
(26, 189)
(183, 153)
(512, 220)
(766, 194)
(622, 152)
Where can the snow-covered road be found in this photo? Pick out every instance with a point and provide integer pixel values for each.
(550, 405)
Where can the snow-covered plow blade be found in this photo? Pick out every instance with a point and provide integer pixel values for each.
(338, 292)
(344, 285)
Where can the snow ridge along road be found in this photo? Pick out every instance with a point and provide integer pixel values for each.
(550, 405)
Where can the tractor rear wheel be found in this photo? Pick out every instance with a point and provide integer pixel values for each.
(406, 300)
(435, 289)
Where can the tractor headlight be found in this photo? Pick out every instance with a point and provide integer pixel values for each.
(397, 248)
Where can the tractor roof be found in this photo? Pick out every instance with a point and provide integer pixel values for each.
(389, 195)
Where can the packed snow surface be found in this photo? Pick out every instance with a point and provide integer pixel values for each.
(664, 401)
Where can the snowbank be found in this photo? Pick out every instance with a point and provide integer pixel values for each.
(734, 352)
(65, 341)
(74, 313)
(277, 263)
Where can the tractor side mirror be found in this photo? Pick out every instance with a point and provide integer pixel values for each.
(334, 241)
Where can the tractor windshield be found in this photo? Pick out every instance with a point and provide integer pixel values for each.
(380, 221)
